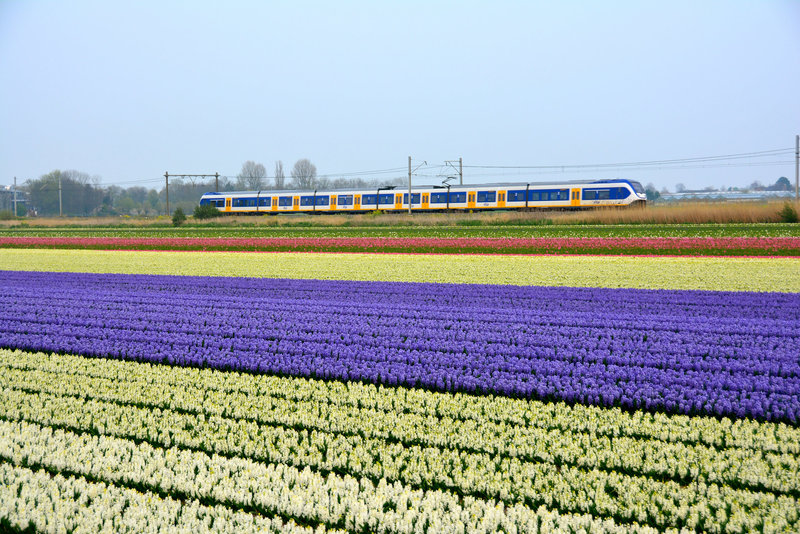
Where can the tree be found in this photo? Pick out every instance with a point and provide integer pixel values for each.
(80, 193)
(783, 184)
(304, 175)
(280, 178)
(680, 188)
(651, 192)
(252, 176)
(137, 194)
(127, 205)
(153, 201)
(207, 211)
(178, 218)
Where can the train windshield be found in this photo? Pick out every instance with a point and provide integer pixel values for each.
(637, 187)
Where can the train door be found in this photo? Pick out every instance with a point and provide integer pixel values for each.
(576, 198)
(471, 199)
(274, 203)
(357, 202)
(501, 199)
(425, 200)
(296, 203)
(333, 202)
(398, 201)
(228, 204)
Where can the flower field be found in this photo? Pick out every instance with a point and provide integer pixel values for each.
(656, 272)
(147, 391)
(703, 246)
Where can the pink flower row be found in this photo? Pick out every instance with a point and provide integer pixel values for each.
(718, 245)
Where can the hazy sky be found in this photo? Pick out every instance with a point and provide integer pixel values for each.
(129, 90)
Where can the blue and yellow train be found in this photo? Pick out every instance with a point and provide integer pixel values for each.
(508, 196)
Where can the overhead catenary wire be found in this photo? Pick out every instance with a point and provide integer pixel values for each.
(522, 172)
(663, 162)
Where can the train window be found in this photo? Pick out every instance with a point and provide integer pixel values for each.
(438, 198)
(219, 203)
(369, 199)
(537, 195)
(386, 199)
(322, 200)
(414, 198)
(589, 194)
(244, 202)
(204, 201)
(285, 201)
(458, 197)
(307, 200)
(345, 200)
(623, 192)
(562, 194)
(604, 194)
(516, 196)
(265, 201)
(487, 196)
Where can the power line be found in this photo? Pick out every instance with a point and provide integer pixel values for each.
(744, 155)
(523, 172)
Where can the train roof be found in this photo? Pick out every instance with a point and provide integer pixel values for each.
(401, 188)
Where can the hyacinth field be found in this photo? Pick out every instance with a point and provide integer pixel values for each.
(683, 246)
(481, 386)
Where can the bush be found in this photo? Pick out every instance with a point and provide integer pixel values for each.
(178, 218)
(206, 211)
(788, 214)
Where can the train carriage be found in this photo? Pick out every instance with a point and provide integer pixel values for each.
(507, 196)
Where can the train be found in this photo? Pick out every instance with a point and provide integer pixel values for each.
(505, 196)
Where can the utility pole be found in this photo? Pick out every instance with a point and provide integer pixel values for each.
(15, 196)
(460, 169)
(60, 213)
(166, 178)
(216, 176)
(797, 168)
(409, 185)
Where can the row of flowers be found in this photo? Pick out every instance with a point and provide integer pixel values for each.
(328, 502)
(780, 246)
(477, 411)
(623, 498)
(301, 229)
(35, 500)
(681, 461)
(709, 273)
(726, 354)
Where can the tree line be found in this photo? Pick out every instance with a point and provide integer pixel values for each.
(82, 195)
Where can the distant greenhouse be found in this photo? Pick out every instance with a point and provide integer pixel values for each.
(732, 196)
